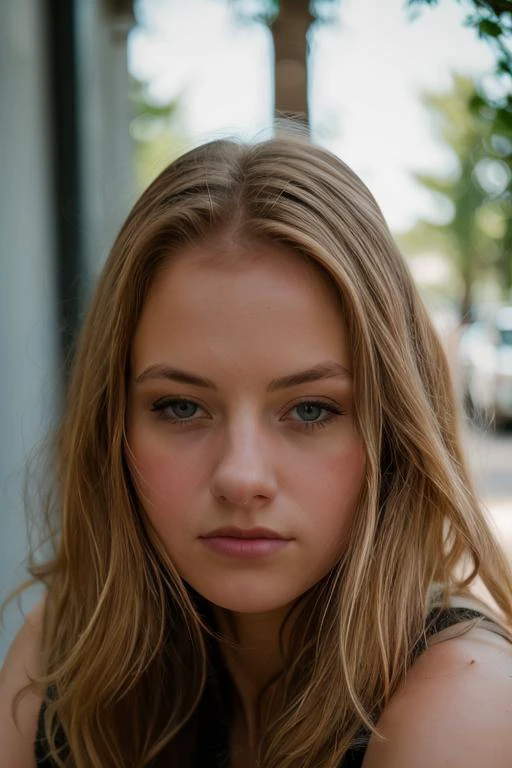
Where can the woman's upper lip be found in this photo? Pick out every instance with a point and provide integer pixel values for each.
(243, 533)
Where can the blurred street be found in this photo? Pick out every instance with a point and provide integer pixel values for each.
(490, 456)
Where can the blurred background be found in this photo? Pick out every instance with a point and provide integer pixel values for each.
(99, 95)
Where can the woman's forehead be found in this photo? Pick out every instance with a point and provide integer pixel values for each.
(273, 307)
(266, 267)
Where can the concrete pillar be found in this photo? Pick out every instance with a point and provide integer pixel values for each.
(107, 176)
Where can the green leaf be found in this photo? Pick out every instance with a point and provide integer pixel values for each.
(422, 2)
(489, 28)
(476, 103)
(504, 66)
(504, 120)
(498, 7)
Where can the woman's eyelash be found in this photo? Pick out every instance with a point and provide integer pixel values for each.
(332, 410)
(162, 406)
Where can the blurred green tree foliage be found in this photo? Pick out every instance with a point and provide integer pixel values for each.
(156, 131)
(477, 232)
(492, 20)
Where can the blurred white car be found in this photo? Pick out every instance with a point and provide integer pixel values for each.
(485, 362)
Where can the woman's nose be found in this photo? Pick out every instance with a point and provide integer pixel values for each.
(244, 474)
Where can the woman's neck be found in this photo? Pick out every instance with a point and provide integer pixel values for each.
(253, 663)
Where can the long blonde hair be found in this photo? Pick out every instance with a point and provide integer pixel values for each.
(125, 646)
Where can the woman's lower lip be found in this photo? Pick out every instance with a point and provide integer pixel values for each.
(228, 545)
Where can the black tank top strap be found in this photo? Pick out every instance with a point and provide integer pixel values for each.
(41, 746)
(441, 618)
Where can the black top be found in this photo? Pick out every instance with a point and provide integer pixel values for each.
(212, 752)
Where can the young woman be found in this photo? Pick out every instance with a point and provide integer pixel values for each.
(268, 537)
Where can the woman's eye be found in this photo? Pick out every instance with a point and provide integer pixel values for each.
(182, 411)
(310, 410)
(175, 410)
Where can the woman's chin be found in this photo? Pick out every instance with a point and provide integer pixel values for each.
(244, 602)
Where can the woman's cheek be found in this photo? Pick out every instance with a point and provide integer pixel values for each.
(164, 477)
(340, 466)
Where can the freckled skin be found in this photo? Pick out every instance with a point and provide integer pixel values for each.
(246, 459)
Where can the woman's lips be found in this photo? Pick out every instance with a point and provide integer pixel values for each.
(244, 542)
(244, 547)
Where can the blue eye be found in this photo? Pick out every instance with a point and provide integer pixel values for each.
(309, 410)
(312, 407)
(181, 411)
(174, 410)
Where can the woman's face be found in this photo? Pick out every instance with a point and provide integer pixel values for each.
(215, 438)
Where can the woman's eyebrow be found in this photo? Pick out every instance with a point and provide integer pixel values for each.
(325, 370)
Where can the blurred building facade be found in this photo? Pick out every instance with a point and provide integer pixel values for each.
(66, 186)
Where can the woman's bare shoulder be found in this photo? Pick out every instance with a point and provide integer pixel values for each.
(455, 708)
(21, 663)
